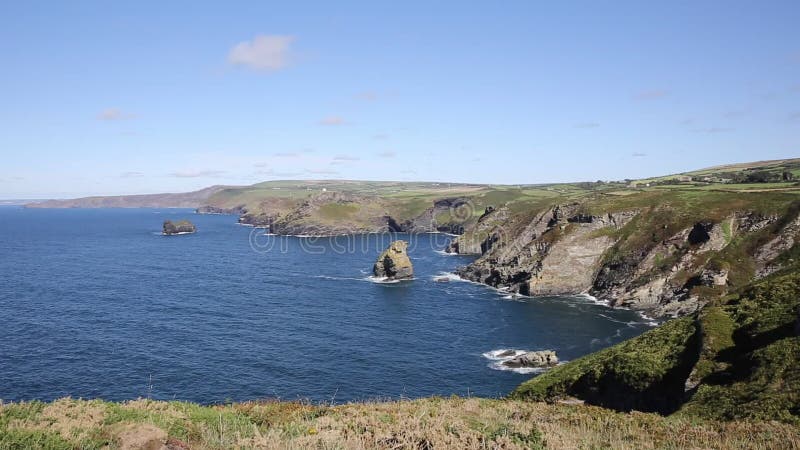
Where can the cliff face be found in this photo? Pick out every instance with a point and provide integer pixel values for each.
(333, 213)
(558, 252)
(737, 358)
(659, 258)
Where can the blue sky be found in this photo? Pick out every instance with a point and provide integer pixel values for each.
(151, 97)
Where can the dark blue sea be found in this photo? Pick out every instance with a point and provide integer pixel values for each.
(96, 303)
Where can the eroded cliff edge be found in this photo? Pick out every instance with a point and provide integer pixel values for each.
(664, 254)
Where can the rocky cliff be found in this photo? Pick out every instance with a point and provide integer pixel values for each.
(736, 359)
(666, 258)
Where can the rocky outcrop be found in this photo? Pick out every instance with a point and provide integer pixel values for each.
(544, 358)
(171, 228)
(446, 215)
(784, 239)
(238, 210)
(394, 263)
(659, 264)
(557, 252)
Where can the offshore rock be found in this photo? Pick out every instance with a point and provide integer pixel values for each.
(180, 227)
(544, 358)
(394, 263)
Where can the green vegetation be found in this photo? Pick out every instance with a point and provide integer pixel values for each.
(742, 355)
(644, 373)
(463, 423)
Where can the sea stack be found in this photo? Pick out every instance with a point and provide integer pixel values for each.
(393, 263)
(179, 227)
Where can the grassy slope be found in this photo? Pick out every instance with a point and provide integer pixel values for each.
(743, 351)
(456, 423)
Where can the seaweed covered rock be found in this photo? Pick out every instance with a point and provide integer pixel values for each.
(394, 263)
(171, 228)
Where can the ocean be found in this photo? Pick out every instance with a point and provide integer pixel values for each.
(96, 303)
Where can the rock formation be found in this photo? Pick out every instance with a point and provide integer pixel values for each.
(394, 263)
(180, 227)
(544, 358)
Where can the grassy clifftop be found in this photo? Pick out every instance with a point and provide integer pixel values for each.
(739, 358)
(434, 423)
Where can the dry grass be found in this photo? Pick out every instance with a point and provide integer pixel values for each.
(432, 423)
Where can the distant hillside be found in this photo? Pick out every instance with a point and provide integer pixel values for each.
(183, 200)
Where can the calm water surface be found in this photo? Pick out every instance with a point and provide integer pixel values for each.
(96, 303)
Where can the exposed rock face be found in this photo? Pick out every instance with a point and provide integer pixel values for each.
(215, 210)
(767, 253)
(180, 227)
(394, 263)
(459, 209)
(558, 252)
(544, 358)
(664, 269)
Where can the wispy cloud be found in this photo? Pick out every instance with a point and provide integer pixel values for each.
(198, 174)
(346, 158)
(638, 155)
(287, 154)
(380, 136)
(368, 96)
(735, 113)
(387, 154)
(688, 121)
(265, 53)
(322, 171)
(794, 116)
(115, 114)
(713, 130)
(652, 94)
(587, 125)
(333, 121)
(131, 175)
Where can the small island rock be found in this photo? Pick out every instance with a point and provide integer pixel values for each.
(394, 263)
(179, 227)
(544, 358)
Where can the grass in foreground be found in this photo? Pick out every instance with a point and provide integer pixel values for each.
(430, 423)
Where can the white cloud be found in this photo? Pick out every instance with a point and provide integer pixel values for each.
(639, 154)
(266, 53)
(322, 172)
(346, 158)
(131, 175)
(287, 155)
(387, 154)
(198, 174)
(332, 121)
(115, 114)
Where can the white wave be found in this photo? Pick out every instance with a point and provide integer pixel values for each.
(178, 233)
(444, 253)
(503, 354)
(499, 356)
(441, 276)
(381, 280)
(593, 299)
(522, 370)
